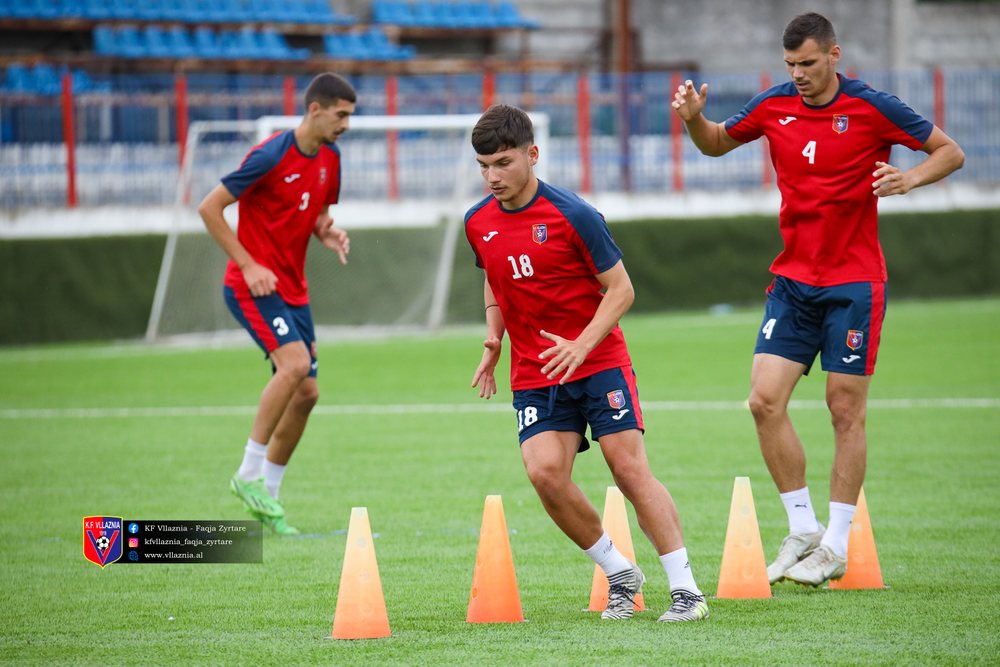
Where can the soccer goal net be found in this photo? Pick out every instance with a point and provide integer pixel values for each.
(406, 184)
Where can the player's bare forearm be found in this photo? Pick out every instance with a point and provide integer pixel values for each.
(211, 212)
(944, 156)
(566, 355)
(710, 138)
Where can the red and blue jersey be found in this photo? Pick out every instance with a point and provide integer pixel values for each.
(824, 157)
(541, 262)
(281, 193)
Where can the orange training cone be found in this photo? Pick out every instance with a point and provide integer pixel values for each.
(360, 604)
(616, 526)
(863, 570)
(744, 572)
(494, 597)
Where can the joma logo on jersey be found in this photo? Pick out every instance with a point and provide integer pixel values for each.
(539, 233)
(839, 124)
(855, 338)
(616, 399)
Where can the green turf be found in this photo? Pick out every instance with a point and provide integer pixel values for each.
(424, 475)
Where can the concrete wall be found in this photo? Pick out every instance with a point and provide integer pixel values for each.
(742, 35)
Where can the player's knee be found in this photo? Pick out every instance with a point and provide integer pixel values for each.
(846, 414)
(307, 396)
(548, 480)
(763, 406)
(295, 367)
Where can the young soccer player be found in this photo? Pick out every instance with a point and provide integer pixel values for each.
(284, 188)
(830, 138)
(548, 256)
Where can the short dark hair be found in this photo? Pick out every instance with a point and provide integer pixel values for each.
(502, 127)
(807, 25)
(327, 88)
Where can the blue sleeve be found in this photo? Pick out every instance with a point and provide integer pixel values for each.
(900, 115)
(258, 162)
(589, 225)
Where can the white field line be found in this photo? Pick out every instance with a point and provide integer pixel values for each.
(451, 408)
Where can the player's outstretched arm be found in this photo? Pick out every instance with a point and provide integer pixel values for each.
(710, 138)
(566, 355)
(334, 238)
(484, 376)
(944, 156)
(260, 280)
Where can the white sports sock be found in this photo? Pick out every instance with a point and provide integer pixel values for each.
(607, 556)
(801, 515)
(253, 461)
(272, 477)
(839, 530)
(678, 570)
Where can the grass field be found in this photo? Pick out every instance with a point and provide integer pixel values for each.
(156, 433)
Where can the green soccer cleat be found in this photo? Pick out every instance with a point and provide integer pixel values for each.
(278, 525)
(622, 589)
(256, 498)
(793, 549)
(686, 606)
(821, 565)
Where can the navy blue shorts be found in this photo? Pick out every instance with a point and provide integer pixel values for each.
(272, 323)
(843, 323)
(608, 401)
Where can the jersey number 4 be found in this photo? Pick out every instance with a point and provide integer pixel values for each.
(810, 152)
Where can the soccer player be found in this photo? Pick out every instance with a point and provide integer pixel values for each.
(284, 187)
(830, 138)
(548, 256)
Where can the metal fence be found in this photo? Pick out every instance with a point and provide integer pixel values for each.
(610, 133)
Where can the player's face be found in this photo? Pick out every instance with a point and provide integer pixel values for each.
(814, 71)
(510, 175)
(334, 120)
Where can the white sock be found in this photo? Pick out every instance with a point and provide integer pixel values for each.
(679, 571)
(801, 515)
(272, 477)
(607, 556)
(839, 530)
(253, 461)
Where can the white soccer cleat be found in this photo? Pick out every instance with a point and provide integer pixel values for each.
(685, 606)
(793, 549)
(622, 589)
(821, 565)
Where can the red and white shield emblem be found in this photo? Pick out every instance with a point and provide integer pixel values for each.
(539, 233)
(839, 123)
(855, 338)
(102, 539)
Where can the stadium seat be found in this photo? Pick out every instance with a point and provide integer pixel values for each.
(179, 42)
(393, 12)
(272, 43)
(206, 43)
(46, 80)
(130, 42)
(18, 79)
(105, 42)
(97, 10)
(155, 41)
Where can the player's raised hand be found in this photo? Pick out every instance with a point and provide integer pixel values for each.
(689, 102)
(260, 279)
(564, 357)
(334, 238)
(484, 378)
(889, 180)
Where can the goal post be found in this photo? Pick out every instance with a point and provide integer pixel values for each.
(406, 182)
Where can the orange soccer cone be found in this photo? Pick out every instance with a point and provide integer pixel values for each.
(863, 570)
(744, 572)
(616, 526)
(494, 597)
(360, 610)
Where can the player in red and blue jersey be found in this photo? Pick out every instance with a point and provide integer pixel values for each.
(830, 138)
(555, 282)
(284, 188)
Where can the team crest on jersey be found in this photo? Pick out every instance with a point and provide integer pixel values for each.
(102, 539)
(616, 399)
(839, 123)
(539, 233)
(322, 173)
(855, 338)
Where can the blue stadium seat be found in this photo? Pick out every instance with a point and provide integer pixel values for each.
(127, 10)
(18, 79)
(46, 80)
(506, 14)
(105, 42)
(97, 10)
(393, 12)
(130, 42)
(268, 11)
(347, 46)
(6, 8)
(379, 47)
(207, 44)
(179, 42)
(155, 41)
(424, 15)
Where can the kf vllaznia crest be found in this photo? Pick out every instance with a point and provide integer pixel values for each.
(539, 233)
(855, 338)
(839, 123)
(616, 399)
(102, 539)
